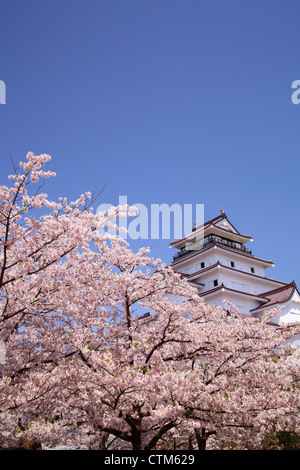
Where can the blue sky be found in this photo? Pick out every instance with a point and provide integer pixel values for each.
(165, 101)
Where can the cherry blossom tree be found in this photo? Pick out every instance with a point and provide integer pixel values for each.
(85, 367)
(37, 279)
(249, 386)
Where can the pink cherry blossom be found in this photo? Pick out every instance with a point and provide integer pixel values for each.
(96, 354)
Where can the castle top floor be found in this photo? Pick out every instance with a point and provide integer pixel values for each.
(217, 233)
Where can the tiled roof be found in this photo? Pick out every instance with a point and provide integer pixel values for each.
(223, 216)
(277, 296)
(228, 268)
(224, 288)
(213, 223)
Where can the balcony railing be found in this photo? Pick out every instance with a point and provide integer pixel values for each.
(214, 239)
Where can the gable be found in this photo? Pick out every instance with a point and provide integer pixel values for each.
(296, 296)
(226, 225)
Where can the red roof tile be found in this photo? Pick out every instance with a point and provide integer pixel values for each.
(277, 296)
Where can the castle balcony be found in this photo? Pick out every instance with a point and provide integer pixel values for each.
(213, 239)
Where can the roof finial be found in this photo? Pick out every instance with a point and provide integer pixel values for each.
(222, 212)
(194, 226)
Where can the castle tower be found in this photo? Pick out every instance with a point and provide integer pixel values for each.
(215, 259)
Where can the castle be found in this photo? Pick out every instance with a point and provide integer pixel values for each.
(214, 259)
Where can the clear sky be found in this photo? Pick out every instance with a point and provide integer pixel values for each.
(164, 101)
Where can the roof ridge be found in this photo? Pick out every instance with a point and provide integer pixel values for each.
(230, 231)
(271, 298)
(279, 289)
(222, 286)
(221, 216)
(218, 263)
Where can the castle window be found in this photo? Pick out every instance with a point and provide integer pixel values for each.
(215, 282)
(202, 265)
(232, 264)
(253, 270)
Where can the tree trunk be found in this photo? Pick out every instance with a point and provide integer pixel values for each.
(103, 441)
(202, 438)
(136, 442)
